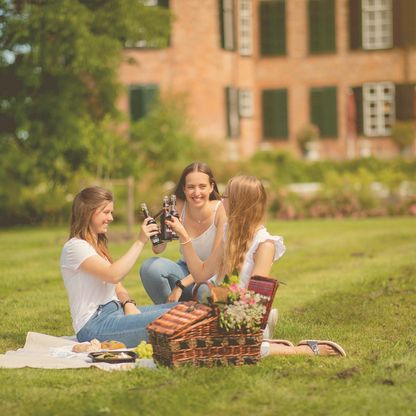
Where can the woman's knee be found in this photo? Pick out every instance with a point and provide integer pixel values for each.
(158, 267)
(147, 269)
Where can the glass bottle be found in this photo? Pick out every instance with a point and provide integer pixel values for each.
(174, 213)
(155, 239)
(165, 230)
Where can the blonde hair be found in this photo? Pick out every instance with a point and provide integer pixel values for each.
(246, 210)
(85, 204)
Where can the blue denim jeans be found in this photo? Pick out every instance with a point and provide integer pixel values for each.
(159, 275)
(110, 323)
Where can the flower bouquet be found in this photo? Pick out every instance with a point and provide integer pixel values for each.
(244, 309)
(237, 308)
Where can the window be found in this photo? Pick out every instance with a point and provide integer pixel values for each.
(246, 29)
(233, 120)
(275, 114)
(245, 103)
(378, 108)
(227, 24)
(141, 99)
(377, 24)
(323, 110)
(272, 27)
(321, 26)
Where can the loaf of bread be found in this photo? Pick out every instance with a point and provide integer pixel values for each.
(112, 345)
(92, 346)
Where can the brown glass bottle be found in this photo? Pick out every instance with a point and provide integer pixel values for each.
(174, 213)
(155, 239)
(165, 230)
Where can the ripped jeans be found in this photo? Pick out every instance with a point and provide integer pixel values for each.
(159, 275)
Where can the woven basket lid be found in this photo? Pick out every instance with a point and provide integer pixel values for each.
(179, 318)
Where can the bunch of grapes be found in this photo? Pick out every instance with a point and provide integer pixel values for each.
(144, 350)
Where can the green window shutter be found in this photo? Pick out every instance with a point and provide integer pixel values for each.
(355, 24)
(358, 97)
(404, 23)
(323, 110)
(272, 15)
(405, 97)
(141, 99)
(275, 114)
(227, 24)
(321, 26)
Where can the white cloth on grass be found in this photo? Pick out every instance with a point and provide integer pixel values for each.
(46, 351)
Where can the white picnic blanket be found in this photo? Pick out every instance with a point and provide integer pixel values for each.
(46, 351)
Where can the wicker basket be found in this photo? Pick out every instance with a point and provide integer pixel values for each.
(189, 334)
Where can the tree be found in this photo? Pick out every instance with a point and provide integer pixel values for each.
(58, 76)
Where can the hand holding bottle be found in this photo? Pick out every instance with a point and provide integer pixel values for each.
(148, 230)
(178, 227)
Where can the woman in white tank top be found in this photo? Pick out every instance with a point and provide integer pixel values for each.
(203, 216)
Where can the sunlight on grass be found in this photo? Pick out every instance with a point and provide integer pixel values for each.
(352, 281)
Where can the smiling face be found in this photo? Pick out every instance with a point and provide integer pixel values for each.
(101, 218)
(197, 188)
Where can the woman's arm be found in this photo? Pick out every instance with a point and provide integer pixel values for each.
(115, 272)
(200, 270)
(263, 259)
(123, 296)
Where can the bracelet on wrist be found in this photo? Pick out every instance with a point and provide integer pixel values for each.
(123, 304)
(179, 284)
(186, 242)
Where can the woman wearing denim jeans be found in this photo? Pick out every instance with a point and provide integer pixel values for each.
(100, 306)
(203, 216)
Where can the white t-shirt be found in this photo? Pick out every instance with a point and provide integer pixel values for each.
(261, 236)
(85, 291)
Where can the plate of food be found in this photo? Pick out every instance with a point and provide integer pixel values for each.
(113, 357)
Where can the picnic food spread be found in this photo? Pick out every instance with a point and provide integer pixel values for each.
(95, 345)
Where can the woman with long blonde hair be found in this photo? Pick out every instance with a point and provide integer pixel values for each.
(100, 306)
(247, 249)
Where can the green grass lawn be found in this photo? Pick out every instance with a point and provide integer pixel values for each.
(352, 281)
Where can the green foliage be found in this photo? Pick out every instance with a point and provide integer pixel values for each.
(58, 71)
(360, 187)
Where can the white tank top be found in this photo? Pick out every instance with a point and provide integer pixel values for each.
(204, 243)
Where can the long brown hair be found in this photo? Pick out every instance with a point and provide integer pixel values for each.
(197, 167)
(246, 210)
(84, 205)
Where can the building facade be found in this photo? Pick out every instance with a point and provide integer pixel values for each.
(256, 72)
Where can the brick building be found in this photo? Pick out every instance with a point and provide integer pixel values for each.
(255, 72)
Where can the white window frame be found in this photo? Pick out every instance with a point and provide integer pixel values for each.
(377, 24)
(246, 27)
(378, 108)
(245, 103)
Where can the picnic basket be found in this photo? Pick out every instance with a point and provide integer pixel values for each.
(189, 334)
